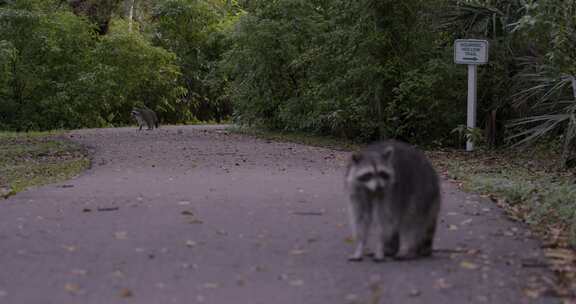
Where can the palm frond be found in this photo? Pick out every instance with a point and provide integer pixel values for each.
(535, 127)
(480, 18)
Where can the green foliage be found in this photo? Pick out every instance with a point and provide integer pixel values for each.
(193, 30)
(56, 73)
(41, 51)
(263, 62)
(34, 159)
(363, 69)
(528, 82)
(134, 72)
(523, 182)
(547, 83)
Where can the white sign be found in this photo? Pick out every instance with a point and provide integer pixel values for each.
(470, 51)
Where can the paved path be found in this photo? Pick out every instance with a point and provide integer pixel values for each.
(198, 215)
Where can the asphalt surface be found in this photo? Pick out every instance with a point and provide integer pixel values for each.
(192, 214)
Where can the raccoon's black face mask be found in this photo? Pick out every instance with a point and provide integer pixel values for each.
(372, 171)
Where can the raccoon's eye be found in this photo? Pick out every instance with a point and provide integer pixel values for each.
(383, 175)
(366, 177)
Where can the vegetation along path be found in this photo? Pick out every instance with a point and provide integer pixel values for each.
(196, 214)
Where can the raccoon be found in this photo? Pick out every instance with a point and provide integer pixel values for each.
(145, 116)
(394, 184)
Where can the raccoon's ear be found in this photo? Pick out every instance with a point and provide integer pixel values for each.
(387, 154)
(356, 157)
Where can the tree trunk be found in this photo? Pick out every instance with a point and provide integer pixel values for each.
(129, 12)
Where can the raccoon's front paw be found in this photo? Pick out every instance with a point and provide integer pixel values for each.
(355, 258)
(406, 256)
(378, 256)
(378, 259)
(425, 252)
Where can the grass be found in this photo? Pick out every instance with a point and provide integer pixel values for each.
(530, 188)
(525, 183)
(301, 138)
(37, 158)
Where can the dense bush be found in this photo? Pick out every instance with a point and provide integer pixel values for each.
(59, 71)
(41, 53)
(193, 30)
(58, 74)
(363, 69)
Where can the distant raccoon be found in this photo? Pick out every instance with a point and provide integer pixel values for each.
(145, 116)
(394, 183)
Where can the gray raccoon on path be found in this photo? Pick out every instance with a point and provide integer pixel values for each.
(395, 184)
(145, 116)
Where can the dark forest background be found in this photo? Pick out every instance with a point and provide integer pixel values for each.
(359, 69)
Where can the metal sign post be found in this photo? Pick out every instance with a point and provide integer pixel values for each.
(471, 52)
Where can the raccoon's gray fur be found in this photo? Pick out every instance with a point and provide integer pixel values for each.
(145, 116)
(396, 185)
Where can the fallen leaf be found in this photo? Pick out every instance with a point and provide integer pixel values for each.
(210, 285)
(190, 243)
(79, 272)
(126, 293)
(482, 298)
(564, 255)
(118, 274)
(70, 248)
(121, 235)
(468, 265)
(259, 268)
(309, 213)
(442, 284)
(72, 288)
(531, 293)
(352, 298)
(472, 251)
(312, 240)
(297, 252)
(414, 292)
(452, 227)
(108, 209)
(240, 282)
(466, 222)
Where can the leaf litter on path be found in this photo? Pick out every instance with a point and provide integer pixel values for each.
(73, 288)
(121, 235)
(126, 293)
